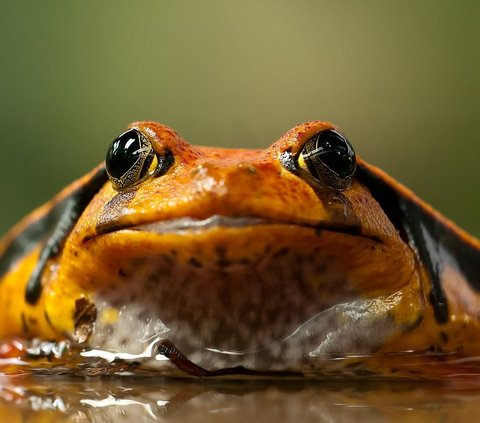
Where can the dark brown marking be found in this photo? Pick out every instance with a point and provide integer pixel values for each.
(222, 260)
(195, 262)
(113, 211)
(84, 316)
(281, 252)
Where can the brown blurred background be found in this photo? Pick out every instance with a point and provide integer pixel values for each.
(400, 78)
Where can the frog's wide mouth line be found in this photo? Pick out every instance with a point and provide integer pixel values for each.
(190, 224)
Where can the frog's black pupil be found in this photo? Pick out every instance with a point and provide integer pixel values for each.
(123, 153)
(335, 152)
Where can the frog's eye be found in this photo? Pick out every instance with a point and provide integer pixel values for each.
(130, 159)
(329, 158)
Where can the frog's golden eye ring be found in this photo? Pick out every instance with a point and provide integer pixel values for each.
(330, 159)
(130, 159)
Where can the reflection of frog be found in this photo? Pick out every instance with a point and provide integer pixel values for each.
(269, 260)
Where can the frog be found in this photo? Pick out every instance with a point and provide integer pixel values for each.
(299, 260)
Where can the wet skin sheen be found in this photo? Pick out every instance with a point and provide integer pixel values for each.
(249, 262)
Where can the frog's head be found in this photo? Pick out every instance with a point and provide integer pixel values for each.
(270, 259)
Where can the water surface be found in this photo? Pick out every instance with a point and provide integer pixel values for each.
(124, 399)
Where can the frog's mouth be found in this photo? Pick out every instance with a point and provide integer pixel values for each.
(243, 291)
(193, 224)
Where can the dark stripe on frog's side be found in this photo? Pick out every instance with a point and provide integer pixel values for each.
(29, 238)
(51, 229)
(426, 233)
(68, 212)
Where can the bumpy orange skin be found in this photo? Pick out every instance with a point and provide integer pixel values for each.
(206, 181)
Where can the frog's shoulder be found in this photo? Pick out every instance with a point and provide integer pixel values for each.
(437, 241)
(49, 225)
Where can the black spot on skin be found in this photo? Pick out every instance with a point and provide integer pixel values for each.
(318, 231)
(122, 273)
(222, 260)
(195, 263)
(75, 253)
(32, 320)
(281, 252)
(443, 337)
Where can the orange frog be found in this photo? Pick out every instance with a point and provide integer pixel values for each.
(297, 260)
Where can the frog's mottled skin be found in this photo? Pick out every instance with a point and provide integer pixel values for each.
(238, 261)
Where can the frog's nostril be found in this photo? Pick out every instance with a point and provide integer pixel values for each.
(248, 167)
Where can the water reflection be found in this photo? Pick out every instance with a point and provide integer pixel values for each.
(52, 399)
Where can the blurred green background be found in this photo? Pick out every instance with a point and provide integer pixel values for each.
(400, 78)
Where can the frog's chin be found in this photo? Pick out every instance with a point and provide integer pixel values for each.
(264, 296)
